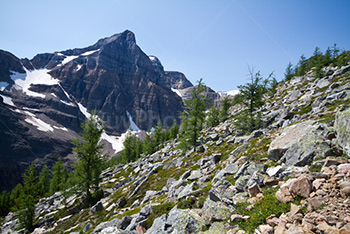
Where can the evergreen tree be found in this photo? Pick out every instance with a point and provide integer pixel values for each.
(226, 104)
(57, 182)
(44, 181)
(27, 211)
(28, 198)
(193, 116)
(88, 152)
(30, 181)
(15, 194)
(289, 73)
(213, 117)
(174, 130)
(301, 70)
(5, 203)
(148, 143)
(251, 98)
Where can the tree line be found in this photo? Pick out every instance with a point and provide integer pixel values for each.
(83, 179)
(333, 55)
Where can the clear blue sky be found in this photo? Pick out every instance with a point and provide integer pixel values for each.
(213, 40)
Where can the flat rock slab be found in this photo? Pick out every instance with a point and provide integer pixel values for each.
(289, 137)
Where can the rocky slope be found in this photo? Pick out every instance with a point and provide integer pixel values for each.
(291, 176)
(43, 101)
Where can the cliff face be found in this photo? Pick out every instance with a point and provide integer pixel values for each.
(43, 101)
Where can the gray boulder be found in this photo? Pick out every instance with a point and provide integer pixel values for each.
(96, 208)
(303, 152)
(215, 211)
(124, 223)
(105, 225)
(158, 225)
(184, 221)
(342, 128)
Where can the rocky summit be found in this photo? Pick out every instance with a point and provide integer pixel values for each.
(44, 100)
(290, 176)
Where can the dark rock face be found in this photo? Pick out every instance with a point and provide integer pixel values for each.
(9, 63)
(113, 76)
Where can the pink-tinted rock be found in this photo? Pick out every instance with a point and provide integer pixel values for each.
(301, 186)
(344, 168)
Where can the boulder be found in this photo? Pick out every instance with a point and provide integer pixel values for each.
(215, 211)
(222, 191)
(121, 202)
(253, 190)
(158, 225)
(342, 128)
(96, 208)
(344, 168)
(195, 175)
(283, 194)
(146, 211)
(105, 225)
(187, 190)
(87, 227)
(124, 223)
(184, 221)
(289, 136)
(140, 229)
(302, 186)
(274, 171)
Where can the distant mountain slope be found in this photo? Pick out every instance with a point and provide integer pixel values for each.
(43, 101)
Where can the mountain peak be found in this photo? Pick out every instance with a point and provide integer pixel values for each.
(127, 36)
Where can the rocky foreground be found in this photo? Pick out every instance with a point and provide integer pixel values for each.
(292, 176)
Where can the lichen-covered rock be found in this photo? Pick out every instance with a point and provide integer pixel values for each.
(184, 221)
(342, 128)
(158, 225)
(215, 211)
(289, 137)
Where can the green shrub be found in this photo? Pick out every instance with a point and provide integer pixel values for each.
(267, 206)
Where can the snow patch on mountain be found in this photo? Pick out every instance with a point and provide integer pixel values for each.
(61, 128)
(116, 142)
(68, 59)
(83, 110)
(152, 58)
(133, 125)
(228, 93)
(79, 66)
(41, 125)
(7, 100)
(90, 52)
(67, 103)
(177, 92)
(23, 81)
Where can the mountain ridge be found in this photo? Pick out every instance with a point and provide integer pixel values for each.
(47, 95)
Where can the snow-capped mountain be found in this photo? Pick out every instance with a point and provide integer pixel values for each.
(43, 101)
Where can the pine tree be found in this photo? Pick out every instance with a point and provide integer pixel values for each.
(301, 70)
(88, 152)
(193, 116)
(251, 98)
(289, 73)
(28, 198)
(57, 181)
(44, 181)
(174, 130)
(226, 104)
(27, 211)
(212, 119)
